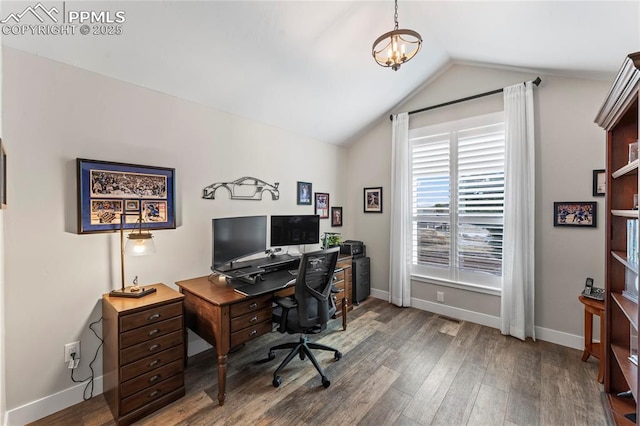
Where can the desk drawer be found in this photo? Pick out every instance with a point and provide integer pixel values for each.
(151, 378)
(135, 352)
(150, 316)
(250, 305)
(151, 362)
(150, 331)
(251, 319)
(151, 394)
(249, 333)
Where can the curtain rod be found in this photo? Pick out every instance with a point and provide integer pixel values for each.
(537, 82)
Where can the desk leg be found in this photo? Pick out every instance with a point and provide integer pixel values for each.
(588, 335)
(222, 378)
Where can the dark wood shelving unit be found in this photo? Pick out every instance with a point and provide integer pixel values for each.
(619, 117)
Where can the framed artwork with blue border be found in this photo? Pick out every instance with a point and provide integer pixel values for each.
(106, 190)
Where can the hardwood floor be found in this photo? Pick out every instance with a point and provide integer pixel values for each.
(401, 366)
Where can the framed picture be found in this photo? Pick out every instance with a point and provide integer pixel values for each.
(3, 176)
(304, 194)
(599, 183)
(322, 205)
(106, 190)
(575, 213)
(373, 200)
(336, 216)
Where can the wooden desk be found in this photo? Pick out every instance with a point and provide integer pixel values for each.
(593, 307)
(226, 319)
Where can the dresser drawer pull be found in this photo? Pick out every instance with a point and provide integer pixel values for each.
(154, 316)
(154, 363)
(154, 347)
(253, 333)
(155, 378)
(253, 305)
(254, 319)
(155, 393)
(154, 331)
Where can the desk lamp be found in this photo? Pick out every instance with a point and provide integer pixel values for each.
(139, 243)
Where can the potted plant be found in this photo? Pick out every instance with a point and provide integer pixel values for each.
(331, 239)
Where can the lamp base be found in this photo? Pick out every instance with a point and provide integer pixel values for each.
(130, 292)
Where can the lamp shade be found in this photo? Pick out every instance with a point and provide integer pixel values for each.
(140, 244)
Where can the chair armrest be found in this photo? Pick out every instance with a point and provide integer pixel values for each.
(286, 303)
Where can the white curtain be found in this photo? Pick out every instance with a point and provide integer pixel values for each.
(518, 290)
(400, 260)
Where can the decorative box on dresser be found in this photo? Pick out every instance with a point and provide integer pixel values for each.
(619, 117)
(143, 354)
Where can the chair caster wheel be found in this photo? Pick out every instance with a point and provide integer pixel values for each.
(325, 382)
(272, 355)
(337, 355)
(277, 381)
(302, 356)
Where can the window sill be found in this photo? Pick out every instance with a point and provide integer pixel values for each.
(462, 286)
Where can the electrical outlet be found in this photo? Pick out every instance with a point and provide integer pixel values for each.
(71, 348)
(440, 295)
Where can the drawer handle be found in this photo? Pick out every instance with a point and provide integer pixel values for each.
(154, 316)
(155, 393)
(253, 333)
(154, 363)
(154, 347)
(254, 319)
(154, 331)
(155, 378)
(253, 305)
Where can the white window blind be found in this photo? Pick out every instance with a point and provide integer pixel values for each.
(458, 200)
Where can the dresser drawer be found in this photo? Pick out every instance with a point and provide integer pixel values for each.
(151, 362)
(151, 394)
(151, 378)
(150, 316)
(251, 305)
(135, 352)
(158, 329)
(251, 319)
(249, 333)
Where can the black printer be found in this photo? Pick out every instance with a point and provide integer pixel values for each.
(353, 248)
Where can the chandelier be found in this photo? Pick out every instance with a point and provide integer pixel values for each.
(396, 47)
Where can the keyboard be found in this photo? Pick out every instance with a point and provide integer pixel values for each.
(596, 293)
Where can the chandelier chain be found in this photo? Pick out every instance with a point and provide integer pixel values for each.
(395, 16)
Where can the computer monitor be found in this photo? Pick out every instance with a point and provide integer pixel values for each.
(295, 230)
(237, 237)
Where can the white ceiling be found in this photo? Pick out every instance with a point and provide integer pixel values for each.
(306, 66)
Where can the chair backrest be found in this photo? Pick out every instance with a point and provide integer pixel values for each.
(313, 287)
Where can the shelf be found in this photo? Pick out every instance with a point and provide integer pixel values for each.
(632, 167)
(621, 257)
(629, 308)
(625, 213)
(620, 407)
(629, 369)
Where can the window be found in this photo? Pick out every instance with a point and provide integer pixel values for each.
(457, 198)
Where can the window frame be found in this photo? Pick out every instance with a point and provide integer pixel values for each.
(452, 275)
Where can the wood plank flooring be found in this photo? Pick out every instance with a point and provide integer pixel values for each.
(401, 366)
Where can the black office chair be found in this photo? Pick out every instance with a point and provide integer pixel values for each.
(308, 311)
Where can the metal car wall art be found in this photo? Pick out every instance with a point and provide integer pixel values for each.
(245, 188)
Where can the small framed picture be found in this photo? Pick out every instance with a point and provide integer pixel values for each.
(336, 216)
(373, 200)
(575, 213)
(304, 194)
(633, 151)
(322, 205)
(599, 183)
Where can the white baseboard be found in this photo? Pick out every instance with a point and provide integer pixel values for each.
(50, 404)
(546, 334)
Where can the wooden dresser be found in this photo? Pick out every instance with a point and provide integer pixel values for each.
(143, 354)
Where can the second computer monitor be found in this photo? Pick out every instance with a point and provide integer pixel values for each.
(295, 230)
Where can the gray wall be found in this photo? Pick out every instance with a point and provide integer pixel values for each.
(568, 147)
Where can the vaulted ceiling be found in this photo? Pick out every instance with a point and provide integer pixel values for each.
(306, 66)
